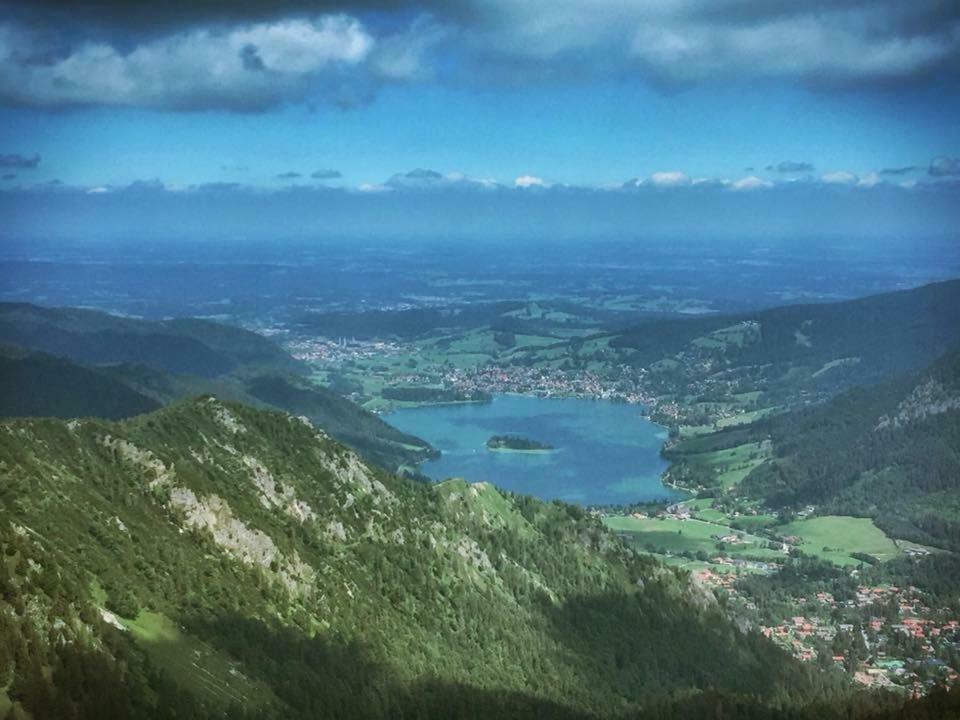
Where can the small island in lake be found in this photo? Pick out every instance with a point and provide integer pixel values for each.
(515, 443)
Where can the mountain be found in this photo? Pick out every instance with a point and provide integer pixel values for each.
(890, 451)
(209, 556)
(880, 335)
(780, 357)
(345, 421)
(184, 346)
(36, 384)
(139, 365)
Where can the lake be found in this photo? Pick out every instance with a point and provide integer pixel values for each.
(606, 453)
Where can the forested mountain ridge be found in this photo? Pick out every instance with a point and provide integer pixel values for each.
(245, 558)
(701, 369)
(186, 346)
(36, 384)
(888, 333)
(890, 451)
(115, 367)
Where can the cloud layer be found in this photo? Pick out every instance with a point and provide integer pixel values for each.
(254, 54)
(450, 209)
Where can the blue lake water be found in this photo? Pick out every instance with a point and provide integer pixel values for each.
(606, 453)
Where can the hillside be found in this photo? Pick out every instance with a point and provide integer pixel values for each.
(709, 368)
(890, 452)
(183, 346)
(139, 365)
(35, 385)
(887, 334)
(210, 555)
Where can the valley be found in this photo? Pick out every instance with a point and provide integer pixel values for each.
(667, 442)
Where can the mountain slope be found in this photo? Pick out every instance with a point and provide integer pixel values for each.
(888, 334)
(149, 363)
(702, 370)
(245, 558)
(891, 451)
(34, 384)
(184, 346)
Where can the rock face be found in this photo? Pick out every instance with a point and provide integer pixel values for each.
(929, 398)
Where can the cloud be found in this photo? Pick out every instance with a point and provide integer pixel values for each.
(672, 178)
(227, 211)
(751, 182)
(248, 67)
(402, 56)
(419, 178)
(789, 166)
(424, 179)
(326, 174)
(251, 55)
(18, 161)
(684, 41)
(839, 177)
(944, 166)
(289, 175)
(529, 181)
(900, 170)
(870, 180)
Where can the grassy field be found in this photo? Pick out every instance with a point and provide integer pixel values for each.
(675, 536)
(195, 664)
(834, 537)
(734, 464)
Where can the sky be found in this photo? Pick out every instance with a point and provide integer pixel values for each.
(319, 111)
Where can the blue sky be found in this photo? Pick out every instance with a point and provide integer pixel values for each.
(734, 95)
(603, 132)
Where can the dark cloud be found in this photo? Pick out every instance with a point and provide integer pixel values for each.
(18, 161)
(900, 170)
(149, 16)
(326, 174)
(944, 166)
(290, 175)
(145, 54)
(251, 59)
(789, 166)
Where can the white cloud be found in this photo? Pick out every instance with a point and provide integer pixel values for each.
(249, 67)
(672, 178)
(869, 180)
(528, 181)
(751, 182)
(839, 177)
(373, 188)
(821, 46)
